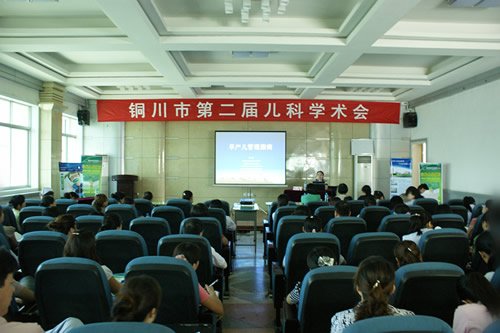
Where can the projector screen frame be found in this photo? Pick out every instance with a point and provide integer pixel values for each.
(284, 185)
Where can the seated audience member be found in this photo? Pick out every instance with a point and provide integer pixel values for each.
(401, 209)
(411, 194)
(348, 198)
(112, 221)
(301, 210)
(8, 266)
(201, 210)
(82, 245)
(370, 201)
(481, 304)
(311, 224)
(367, 192)
(187, 195)
(378, 195)
(333, 201)
(473, 229)
(148, 195)
(17, 203)
(424, 191)
(484, 255)
(443, 209)
(481, 227)
(318, 257)
(375, 282)
(342, 209)
(407, 252)
(118, 196)
(8, 231)
(281, 201)
(208, 297)
(310, 195)
(100, 203)
(419, 224)
(230, 225)
(320, 178)
(46, 192)
(342, 190)
(50, 206)
(71, 195)
(130, 201)
(469, 204)
(195, 227)
(396, 200)
(138, 300)
(65, 224)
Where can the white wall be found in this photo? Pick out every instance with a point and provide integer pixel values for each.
(463, 132)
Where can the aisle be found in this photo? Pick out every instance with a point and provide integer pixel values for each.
(248, 309)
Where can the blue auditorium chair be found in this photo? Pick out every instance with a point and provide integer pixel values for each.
(183, 204)
(205, 271)
(430, 205)
(373, 215)
(287, 227)
(173, 215)
(313, 205)
(180, 298)
(345, 228)
(126, 212)
(81, 209)
(151, 229)
(225, 206)
(281, 212)
(325, 213)
(36, 223)
(356, 206)
(92, 223)
(415, 209)
(396, 223)
(117, 247)
(220, 215)
(9, 218)
(31, 202)
(495, 280)
(72, 287)
(445, 245)
(38, 246)
(493, 328)
(122, 327)
(372, 244)
(393, 324)
(460, 210)
(428, 288)
(456, 202)
(29, 212)
(449, 221)
(63, 204)
(143, 206)
(211, 230)
(384, 203)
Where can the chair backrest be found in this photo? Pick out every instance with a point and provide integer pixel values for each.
(495, 280)
(445, 245)
(36, 223)
(151, 229)
(324, 292)
(183, 204)
(460, 210)
(372, 244)
(448, 221)
(63, 204)
(179, 284)
(112, 201)
(116, 248)
(430, 205)
(92, 223)
(270, 212)
(220, 215)
(396, 223)
(415, 209)
(456, 202)
(9, 217)
(313, 205)
(420, 324)
(122, 327)
(325, 213)
(356, 206)
(225, 206)
(30, 211)
(126, 212)
(33, 202)
(287, 227)
(211, 231)
(81, 209)
(143, 206)
(173, 215)
(345, 227)
(205, 271)
(477, 210)
(428, 288)
(297, 250)
(384, 203)
(72, 287)
(280, 212)
(38, 246)
(373, 215)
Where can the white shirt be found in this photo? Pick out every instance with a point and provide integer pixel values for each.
(218, 260)
(414, 237)
(230, 225)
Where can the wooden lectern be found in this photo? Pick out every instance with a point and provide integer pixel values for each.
(125, 184)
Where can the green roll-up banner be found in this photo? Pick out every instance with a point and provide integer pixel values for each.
(432, 175)
(92, 172)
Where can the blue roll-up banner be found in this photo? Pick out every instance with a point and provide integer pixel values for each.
(71, 177)
(400, 175)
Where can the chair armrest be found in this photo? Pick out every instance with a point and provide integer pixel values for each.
(278, 285)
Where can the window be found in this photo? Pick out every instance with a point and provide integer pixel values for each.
(18, 146)
(71, 139)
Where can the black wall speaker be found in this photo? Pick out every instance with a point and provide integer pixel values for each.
(410, 120)
(83, 117)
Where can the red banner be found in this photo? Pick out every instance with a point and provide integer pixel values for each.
(248, 110)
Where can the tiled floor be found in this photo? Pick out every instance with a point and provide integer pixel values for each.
(248, 309)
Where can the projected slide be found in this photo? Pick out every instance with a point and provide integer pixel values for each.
(250, 158)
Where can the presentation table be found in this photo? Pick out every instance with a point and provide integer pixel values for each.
(247, 213)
